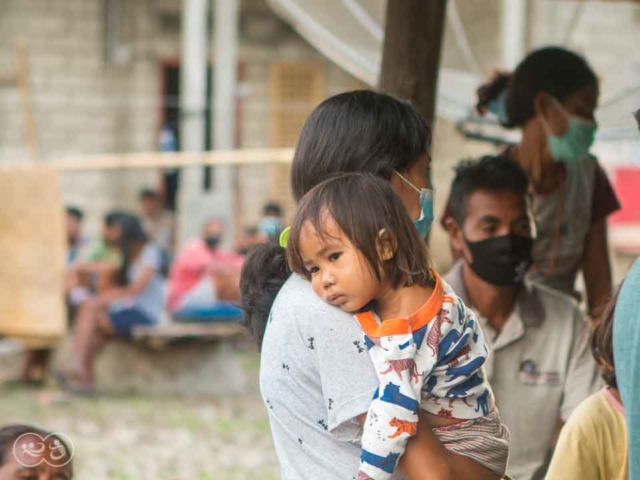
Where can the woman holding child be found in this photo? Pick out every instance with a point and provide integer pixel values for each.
(317, 378)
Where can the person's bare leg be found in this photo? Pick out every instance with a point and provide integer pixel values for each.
(41, 363)
(34, 365)
(101, 334)
(85, 327)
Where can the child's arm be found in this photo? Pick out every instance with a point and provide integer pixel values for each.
(393, 414)
(425, 457)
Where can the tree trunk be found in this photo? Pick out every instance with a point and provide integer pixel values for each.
(411, 55)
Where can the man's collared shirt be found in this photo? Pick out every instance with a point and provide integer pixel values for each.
(540, 368)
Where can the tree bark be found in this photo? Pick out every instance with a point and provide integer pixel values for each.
(411, 54)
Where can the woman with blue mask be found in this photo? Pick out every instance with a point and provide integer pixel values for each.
(316, 378)
(551, 98)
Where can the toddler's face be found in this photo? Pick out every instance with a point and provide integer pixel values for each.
(339, 274)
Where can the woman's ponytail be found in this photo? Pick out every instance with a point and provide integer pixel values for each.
(264, 272)
(492, 91)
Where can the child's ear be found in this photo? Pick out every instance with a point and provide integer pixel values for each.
(386, 245)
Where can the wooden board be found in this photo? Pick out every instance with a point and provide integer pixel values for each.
(160, 335)
(256, 156)
(186, 330)
(33, 255)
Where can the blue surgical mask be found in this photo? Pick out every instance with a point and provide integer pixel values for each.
(270, 227)
(498, 106)
(423, 224)
(575, 144)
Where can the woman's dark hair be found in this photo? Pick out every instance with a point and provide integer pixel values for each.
(131, 236)
(359, 131)
(10, 433)
(555, 70)
(264, 272)
(490, 173)
(602, 341)
(363, 206)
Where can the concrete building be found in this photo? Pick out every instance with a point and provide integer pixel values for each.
(103, 76)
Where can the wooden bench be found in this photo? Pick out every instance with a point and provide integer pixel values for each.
(158, 336)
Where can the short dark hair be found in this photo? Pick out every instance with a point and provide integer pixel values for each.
(490, 173)
(112, 217)
(272, 207)
(555, 70)
(148, 194)
(76, 213)
(359, 131)
(362, 205)
(602, 340)
(10, 433)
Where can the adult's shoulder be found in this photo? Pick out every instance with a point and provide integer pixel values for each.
(593, 416)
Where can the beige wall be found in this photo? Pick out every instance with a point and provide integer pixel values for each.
(82, 105)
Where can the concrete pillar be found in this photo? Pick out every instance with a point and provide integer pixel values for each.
(225, 46)
(514, 32)
(193, 90)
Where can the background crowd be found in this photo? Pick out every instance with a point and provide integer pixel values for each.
(523, 225)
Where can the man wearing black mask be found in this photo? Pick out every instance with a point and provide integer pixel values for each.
(540, 367)
(204, 281)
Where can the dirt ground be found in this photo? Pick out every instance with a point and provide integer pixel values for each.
(140, 438)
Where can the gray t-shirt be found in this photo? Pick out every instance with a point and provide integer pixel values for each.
(151, 300)
(316, 377)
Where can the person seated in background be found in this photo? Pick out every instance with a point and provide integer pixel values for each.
(158, 223)
(137, 299)
(95, 269)
(29, 453)
(204, 281)
(593, 443)
(75, 240)
(249, 240)
(271, 224)
(539, 365)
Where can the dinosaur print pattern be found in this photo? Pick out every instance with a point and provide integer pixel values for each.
(403, 365)
(465, 353)
(403, 427)
(483, 402)
(393, 395)
(386, 464)
(443, 359)
(433, 339)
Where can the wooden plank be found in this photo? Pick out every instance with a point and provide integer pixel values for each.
(189, 330)
(32, 240)
(258, 156)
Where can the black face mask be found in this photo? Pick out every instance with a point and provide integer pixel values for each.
(501, 261)
(212, 241)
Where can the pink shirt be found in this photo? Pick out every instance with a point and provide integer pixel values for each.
(192, 264)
